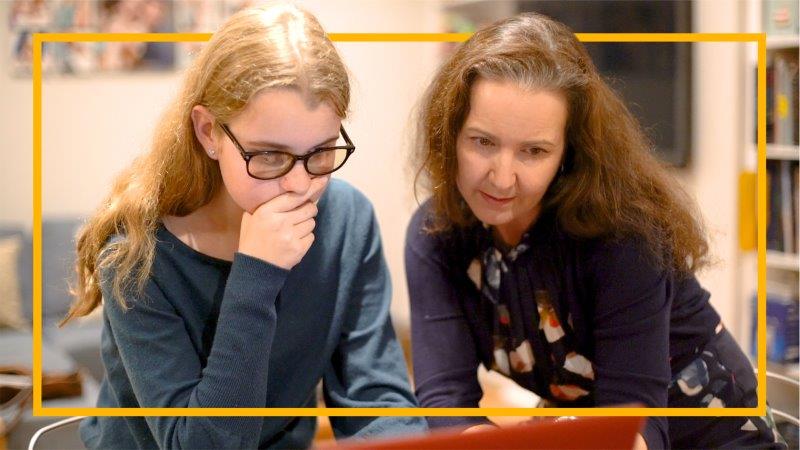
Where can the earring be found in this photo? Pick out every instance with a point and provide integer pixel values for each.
(212, 152)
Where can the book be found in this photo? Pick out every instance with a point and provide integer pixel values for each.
(796, 205)
(774, 228)
(784, 102)
(782, 324)
(786, 209)
(782, 206)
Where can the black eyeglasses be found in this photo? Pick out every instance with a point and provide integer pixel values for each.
(268, 165)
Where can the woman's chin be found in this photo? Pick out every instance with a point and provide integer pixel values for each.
(493, 218)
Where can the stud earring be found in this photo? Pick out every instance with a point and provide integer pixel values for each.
(212, 152)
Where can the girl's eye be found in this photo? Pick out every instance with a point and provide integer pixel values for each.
(273, 157)
(270, 159)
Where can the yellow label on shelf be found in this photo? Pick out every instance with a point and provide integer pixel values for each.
(782, 106)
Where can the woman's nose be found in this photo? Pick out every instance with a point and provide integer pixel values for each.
(503, 175)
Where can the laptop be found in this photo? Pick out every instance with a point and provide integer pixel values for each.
(571, 433)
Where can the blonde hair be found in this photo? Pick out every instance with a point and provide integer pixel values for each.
(255, 49)
(611, 184)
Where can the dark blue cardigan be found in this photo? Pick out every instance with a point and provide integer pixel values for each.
(636, 322)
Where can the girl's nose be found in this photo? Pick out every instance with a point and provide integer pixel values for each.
(296, 180)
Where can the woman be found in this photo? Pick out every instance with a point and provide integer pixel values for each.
(557, 251)
(234, 272)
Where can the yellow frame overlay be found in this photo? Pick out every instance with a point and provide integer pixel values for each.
(38, 410)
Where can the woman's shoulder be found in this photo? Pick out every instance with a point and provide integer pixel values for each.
(424, 237)
(609, 245)
(421, 220)
(419, 234)
(609, 257)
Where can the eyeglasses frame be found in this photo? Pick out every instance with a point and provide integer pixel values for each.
(304, 158)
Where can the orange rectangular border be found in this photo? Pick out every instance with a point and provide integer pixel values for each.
(38, 410)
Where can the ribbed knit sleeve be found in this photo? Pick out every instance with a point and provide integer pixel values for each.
(164, 370)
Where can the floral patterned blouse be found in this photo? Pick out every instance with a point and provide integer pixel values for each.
(579, 322)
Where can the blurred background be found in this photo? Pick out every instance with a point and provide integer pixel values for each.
(100, 102)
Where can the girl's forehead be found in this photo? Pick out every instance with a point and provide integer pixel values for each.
(282, 119)
(286, 108)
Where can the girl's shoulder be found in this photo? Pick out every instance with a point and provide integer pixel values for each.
(343, 199)
(344, 210)
(113, 242)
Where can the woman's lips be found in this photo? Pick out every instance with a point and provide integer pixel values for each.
(496, 201)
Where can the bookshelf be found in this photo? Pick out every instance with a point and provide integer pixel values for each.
(787, 41)
(778, 151)
(782, 260)
(779, 19)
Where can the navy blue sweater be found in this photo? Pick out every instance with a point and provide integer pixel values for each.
(635, 321)
(211, 333)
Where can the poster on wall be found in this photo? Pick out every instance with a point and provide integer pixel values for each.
(26, 17)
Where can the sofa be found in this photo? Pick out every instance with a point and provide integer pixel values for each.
(74, 348)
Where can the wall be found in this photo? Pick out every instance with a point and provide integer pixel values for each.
(94, 126)
(712, 176)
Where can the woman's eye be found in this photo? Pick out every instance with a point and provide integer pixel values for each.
(534, 150)
(482, 141)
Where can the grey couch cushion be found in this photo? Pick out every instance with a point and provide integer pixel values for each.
(24, 266)
(81, 341)
(58, 258)
(17, 350)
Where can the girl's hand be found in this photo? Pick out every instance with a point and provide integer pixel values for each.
(280, 231)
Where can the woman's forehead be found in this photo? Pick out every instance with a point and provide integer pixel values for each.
(504, 107)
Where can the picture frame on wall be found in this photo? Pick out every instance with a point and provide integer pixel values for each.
(112, 16)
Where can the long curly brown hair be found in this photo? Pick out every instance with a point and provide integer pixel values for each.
(612, 184)
(259, 48)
